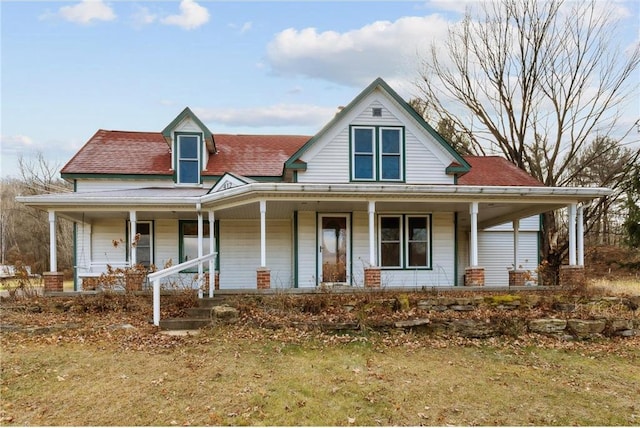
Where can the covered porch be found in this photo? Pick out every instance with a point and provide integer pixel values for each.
(270, 234)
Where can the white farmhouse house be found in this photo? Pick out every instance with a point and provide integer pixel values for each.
(376, 198)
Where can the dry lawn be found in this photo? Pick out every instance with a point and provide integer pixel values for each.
(249, 376)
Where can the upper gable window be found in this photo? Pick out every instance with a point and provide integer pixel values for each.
(377, 153)
(188, 149)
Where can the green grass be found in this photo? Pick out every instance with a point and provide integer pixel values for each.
(242, 376)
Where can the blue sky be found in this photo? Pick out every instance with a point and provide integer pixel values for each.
(71, 68)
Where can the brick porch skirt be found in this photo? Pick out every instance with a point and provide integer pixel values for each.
(264, 278)
(517, 278)
(372, 277)
(572, 276)
(53, 281)
(474, 277)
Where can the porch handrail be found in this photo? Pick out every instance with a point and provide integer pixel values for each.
(155, 278)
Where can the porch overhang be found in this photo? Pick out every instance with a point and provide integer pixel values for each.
(498, 204)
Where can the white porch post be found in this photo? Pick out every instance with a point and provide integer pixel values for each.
(572, 235)
(212, 249)
(516, 243)
(580, 233)
(133, 230)
(473, 238)
(263, 233)
(53, 258)
(200, 244)
(372, 244)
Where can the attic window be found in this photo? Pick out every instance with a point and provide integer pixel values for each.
(377, 112)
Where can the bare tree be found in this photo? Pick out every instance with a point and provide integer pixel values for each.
(25, 230)
(534, 81)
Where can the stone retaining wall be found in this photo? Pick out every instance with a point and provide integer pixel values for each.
(515, 315)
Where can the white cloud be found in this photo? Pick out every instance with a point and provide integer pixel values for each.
(86, 12)
(278, 115)
(381, 49)
(142, 16)
(191, 16)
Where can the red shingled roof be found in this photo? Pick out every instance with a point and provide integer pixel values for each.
(253, 155)
(121, 152)
(495, 171)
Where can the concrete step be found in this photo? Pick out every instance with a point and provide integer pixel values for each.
(199, 312)
(209, 302)
(184, 323)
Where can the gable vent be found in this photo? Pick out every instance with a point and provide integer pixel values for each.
(377, 112)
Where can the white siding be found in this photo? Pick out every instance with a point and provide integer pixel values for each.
(328, 160)
(166, 243)
(104, 234)
(83, 247)
(331, 165)
(422, 165)
(187, 125)
(307, 276)
(359, 246)
(240, 253)
(97, 185)
(495, 254)
(526, 224)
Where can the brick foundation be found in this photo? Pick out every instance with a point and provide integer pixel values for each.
(572, 276)
(53, 281)
(372, 277)
(474, 277)
(518, 278)
(264, 278)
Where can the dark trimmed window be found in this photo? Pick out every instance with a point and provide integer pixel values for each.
(404, 241)
(188, 149)
(377, 153)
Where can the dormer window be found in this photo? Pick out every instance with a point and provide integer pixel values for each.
(189, 154)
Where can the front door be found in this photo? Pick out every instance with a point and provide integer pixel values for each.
(333, 256)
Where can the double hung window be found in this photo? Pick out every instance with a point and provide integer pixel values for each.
(404, 241)
(188, 149)
(143, 242)
(377, 153)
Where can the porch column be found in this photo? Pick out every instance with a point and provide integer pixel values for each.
(53, 257)
(263, 274)
(372, 272)
(516, 275)
(474, 274)
(372, 243)
(572, 234)
(572, 275)
(580, 235)
(213, 283)
(200, 244)
(133, 230)
(473, 238)
(53, 280)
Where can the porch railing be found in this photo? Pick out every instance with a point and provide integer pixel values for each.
(155, 278)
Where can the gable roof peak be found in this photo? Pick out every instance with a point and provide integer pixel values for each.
(379, 82)
(187, 113)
